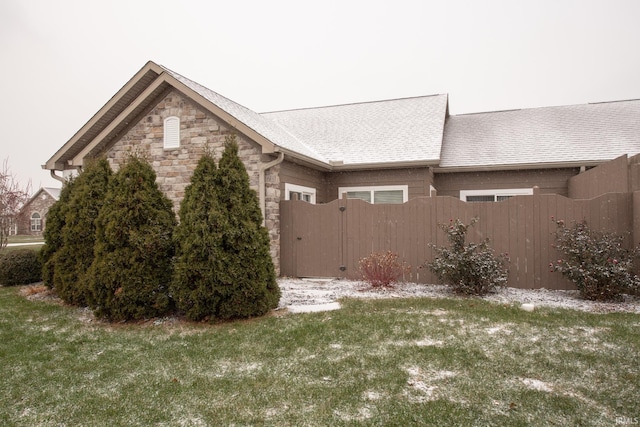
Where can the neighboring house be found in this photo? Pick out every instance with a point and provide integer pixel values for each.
(383, 152)
(32, 217)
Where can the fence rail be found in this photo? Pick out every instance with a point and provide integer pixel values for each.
(328, 240)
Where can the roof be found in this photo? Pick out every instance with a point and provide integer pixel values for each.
(373, 133)
(392, 131)
(250, 118)
(53, 192)
(573, 134)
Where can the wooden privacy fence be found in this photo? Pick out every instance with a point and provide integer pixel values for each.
(328, 240)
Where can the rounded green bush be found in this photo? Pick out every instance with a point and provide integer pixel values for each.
(469, 268)
(20, 267)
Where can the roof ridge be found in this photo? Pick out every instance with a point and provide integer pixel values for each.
(354, 103)
(546, 107)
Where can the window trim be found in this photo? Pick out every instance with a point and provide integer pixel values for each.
(374, 188)
(496, 192)
(36, 221)
(299, 189)
(171, 128)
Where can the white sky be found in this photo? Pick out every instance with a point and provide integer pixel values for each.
(63, 60)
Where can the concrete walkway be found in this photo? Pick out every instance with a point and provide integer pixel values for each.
(24, 244)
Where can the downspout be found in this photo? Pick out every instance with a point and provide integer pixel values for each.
(56, 177)
(262, 185)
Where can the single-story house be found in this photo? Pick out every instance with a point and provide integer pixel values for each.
(31, 219)
(383, 152)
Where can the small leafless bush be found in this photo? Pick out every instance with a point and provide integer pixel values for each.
(382, 269)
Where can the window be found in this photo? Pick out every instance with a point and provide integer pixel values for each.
(298, 192)
(36, 222)
(493, 195)
(172, 132)
(377, 195)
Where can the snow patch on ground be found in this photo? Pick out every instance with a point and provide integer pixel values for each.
(536, 384)
(323, 292)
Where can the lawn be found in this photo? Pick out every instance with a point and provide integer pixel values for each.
(374, 362)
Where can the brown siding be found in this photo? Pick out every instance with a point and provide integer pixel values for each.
(550, 181)
(291, 173)
(418, 180)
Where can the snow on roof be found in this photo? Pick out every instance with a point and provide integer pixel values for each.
(398, 130)
(565, 134)
(250, 118)
(53, 192)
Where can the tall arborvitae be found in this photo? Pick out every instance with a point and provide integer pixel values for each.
(78, 234)
(198, 245)
(56, 218)
(247, 283)
(131, 271)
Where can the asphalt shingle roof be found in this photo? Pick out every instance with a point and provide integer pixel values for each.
(250, 118)
(399, 130)
(566, 134)
(419, 130)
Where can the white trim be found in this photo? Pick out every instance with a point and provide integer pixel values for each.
(36, 221)
(496, 192)
(171, 132)
(311, 192)
(373, 188)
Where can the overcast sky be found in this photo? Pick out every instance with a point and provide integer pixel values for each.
(63, 60)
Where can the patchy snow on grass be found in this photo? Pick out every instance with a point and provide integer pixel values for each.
(313, 308)
(428, 342)
(502, 329)
(536, 384)
(421, 387)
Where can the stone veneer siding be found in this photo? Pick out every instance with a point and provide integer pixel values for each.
(199, 130)
(40, 204)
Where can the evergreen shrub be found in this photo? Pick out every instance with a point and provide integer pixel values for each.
(131, 271)
(75, 256)
(20, 267)
(597, 263)
(469, 268)
(56, 219)
(198, 239)
(246, 281)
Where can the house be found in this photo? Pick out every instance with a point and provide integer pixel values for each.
(383, 152)
(31, 219)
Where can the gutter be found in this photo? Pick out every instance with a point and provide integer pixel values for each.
(521, 166)
(262, 184)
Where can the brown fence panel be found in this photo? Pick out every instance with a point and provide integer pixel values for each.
(329, 240)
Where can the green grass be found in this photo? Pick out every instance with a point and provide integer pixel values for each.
(383, 362)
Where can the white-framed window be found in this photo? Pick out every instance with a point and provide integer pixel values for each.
(493, 195)
(299, 192)
(172, 132)
(36, 222)
(381, 194)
